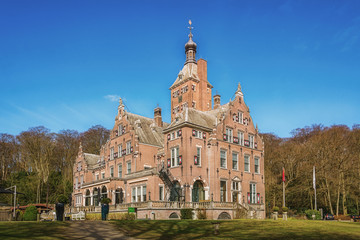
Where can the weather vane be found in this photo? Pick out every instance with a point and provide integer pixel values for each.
(190, 25)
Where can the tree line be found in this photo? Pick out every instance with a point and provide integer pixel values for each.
(335, 153)
(40, 162)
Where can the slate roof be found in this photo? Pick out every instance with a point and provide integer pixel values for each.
(91, 159)
(146, 129)
(189, 71)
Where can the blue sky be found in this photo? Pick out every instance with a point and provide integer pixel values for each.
(63, 62)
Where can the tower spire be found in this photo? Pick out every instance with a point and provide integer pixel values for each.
(190, 47)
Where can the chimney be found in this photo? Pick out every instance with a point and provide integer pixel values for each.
(216, 101)
(157, 117)
(202, 69)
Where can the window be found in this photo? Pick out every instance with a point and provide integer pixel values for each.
(120, 170)
(175, 157)
(112, 171)
(252, 193)
(79, 168)
(172, 135)
(81, 180)
(76, 183)
(247, 163)
(198, 153)
(144, 193)
(128, 147)
(222, 191)
(97, 176)
(138, 194)
(103, 175)
(78, 200)
(235, 193)
(120, 130)
(222, 158)
(251, 140)
(235, 186)
(257, 167)
(128, 167)
(229, 134)
(240, 117)
(198, 134)
(133, 194)
(112, 153)
(241, 138)
(161, 193)
(120, 150)
(234, 161)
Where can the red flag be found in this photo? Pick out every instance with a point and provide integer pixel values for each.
(283, 176)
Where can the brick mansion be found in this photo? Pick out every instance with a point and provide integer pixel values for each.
(210, 156)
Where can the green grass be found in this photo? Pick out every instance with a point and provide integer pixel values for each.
(240, 229)
(32, 230)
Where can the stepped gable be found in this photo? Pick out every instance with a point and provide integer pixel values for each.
(146, 129)
(91, 160)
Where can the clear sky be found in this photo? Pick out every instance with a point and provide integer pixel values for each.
(64, 63)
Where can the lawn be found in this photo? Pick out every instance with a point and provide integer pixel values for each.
(32, 230)
(189, 229)
(240, 229)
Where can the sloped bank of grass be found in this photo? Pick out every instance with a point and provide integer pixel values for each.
(32, 230)
(239, 229)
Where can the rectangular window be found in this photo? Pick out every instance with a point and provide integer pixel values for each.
(222, 158)
(120, 150)
(111, 171)
(133, 194)
(240, 117)
(138, 194)
(97, 176)
(120, 170)
(222, 191)
(229, 134)
(161, 193)
(128, 147)
(144, 193)
(198, 153)
(251, 140)
(234, 161)
(79, 166)
(257, 167)
(76, 183)
(112, 153)
(235, 186)
(81, 180)
(120, 130)
(102, 175)
(175, 157)
(128, 167)
(241, 138)
(252, 193)
(247, 163)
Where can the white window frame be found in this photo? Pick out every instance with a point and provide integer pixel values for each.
(221, 195)
(120, 170)
(76, 183)
(161, 192)
(138, 191)
(241, 117)
(251, 141)
(198, 154)
(127, 167)
(229, 134)
(120, 130)
(112, 171)
(246, 163)
(253, 193)
(112, 153)
(241, 138)
(257, 165)
(102, 175)
(97, 176)
(81, 180)
(223, 150)
(174, 160)
(120, 150)
(237, 160)
(128, 147)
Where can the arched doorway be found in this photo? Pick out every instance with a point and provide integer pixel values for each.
(103, 192)
(174, 215)
(198, 192)
(224, 215)
(87, 198)
(119, 196)
(96, 196)
(175, 192)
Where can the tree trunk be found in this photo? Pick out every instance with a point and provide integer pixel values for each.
(38, 192)
(343, 195)
(338, 199)
(328, 195)
(47, 193)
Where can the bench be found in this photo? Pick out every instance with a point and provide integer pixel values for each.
(78, 216)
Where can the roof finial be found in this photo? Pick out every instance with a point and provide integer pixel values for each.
(190, 27)
(239, 88)
(120, 101)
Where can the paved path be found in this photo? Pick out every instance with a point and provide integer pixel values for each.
(94, 230)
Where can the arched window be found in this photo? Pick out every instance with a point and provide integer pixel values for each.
(198, 192)
(119, 196)
(87, 198)
(96, 196)
(175, 192)
(103, 192)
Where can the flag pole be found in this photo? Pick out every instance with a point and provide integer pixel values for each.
(283, 180)
(314, 185)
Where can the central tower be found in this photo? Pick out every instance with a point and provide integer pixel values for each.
(191, 88)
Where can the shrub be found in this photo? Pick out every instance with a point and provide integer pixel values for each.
(93, 216)
(62, 199)
(30, 213)
(105, 200)
(285, 209)
(19, 215)
(275, 209)
(311, 212)
(201, 214)
(186, 213)
(342, 217)
(121, 216)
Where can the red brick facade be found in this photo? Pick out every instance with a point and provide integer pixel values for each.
(205, 154)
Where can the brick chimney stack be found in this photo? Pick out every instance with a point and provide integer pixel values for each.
(157, 117)
(216, 101)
